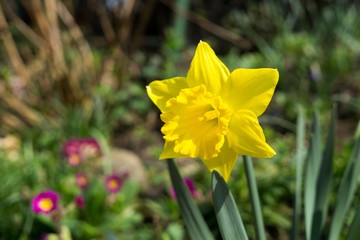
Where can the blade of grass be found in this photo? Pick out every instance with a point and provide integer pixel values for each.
(193, 219)
(254, 198)
(299, 158)
(312, 172)
(323, 182)
(354, 231)
(227, 214)
(346, 190)
(180, 22)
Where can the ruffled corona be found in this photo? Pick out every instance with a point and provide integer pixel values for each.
(197, 122)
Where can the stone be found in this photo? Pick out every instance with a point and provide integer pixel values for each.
(126, 161)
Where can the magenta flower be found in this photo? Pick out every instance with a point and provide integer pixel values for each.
(45, 202)
(191, 186)
(71, 146)
(78, 149)
(82, 180)
(114, 182)
(80, 201)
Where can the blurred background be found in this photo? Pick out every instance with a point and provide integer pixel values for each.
(78, 68)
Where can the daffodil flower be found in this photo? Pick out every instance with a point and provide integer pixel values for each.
(212, 114)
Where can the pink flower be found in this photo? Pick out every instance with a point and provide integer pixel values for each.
(45, 202)
(71, 151)
(114, 182)
(89, 148)
(191, 186)
(82, 180)
(80, 201)
(78, 149)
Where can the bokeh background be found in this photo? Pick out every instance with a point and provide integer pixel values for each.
(78, 68)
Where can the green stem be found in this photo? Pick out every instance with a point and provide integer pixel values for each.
(299, 158)
(254, 197)
(180, 20)
(27, 225)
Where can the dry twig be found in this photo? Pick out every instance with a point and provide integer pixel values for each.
(209, 26)
(11, 50)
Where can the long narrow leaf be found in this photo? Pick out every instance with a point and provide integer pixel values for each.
(312, 172)
(324, 180)
(300, 154)
(354, 231)
(230, 223)
(195, 223)
(254, 197)
(346, 190)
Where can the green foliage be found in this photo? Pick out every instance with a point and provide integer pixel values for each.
(194, 221)
(316, 51)
(346, 193)
(319, 180)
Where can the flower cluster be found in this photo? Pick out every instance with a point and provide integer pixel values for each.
(79, 149)
(212, 114)
(83, 154)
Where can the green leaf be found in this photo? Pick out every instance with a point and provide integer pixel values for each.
(230, 223)
(323, 184)
(354, 231)
(312, 172)
(299, 158)
(346, 191)
(95, 198)
(254, 197)
(193, 219)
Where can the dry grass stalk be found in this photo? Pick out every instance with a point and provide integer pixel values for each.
(49, 75)
(49, 30)
(78, 37)
(13, 104)
(125, 16)
(10, 122)
(11, 50)
(55, 34)
(105, 22)
(46, 75)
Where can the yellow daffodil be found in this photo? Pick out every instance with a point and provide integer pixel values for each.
(212, 114)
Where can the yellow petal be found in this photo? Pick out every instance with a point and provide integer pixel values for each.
(206, 68)
(246, 136)
(161, 91)
(168, 151)
(250, 89)
(224, 162)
